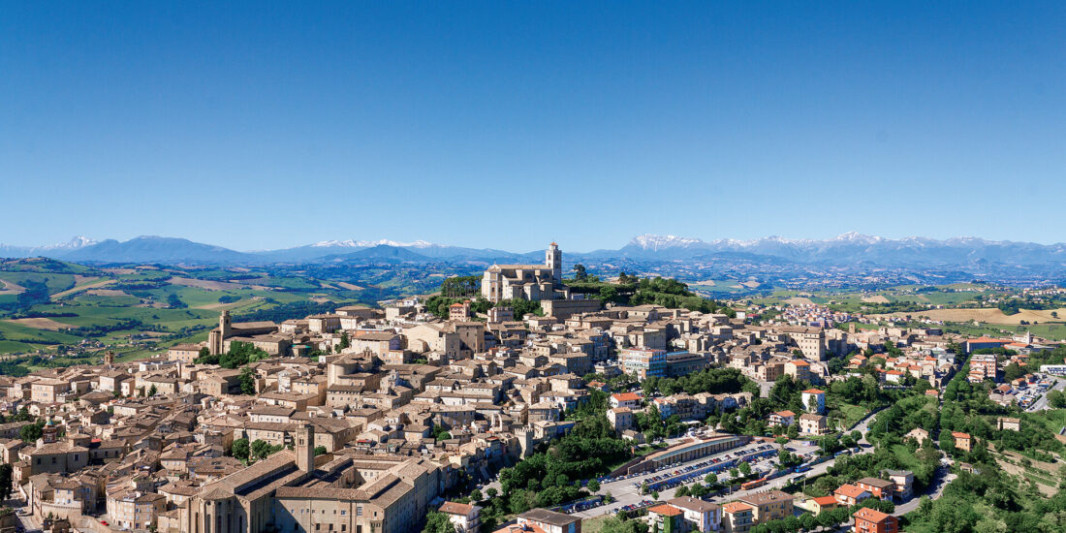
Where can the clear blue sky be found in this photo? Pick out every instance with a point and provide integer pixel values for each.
(510, 124)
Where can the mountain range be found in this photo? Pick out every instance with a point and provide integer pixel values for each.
(850, 250)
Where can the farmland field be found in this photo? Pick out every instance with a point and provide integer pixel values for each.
(49, 308)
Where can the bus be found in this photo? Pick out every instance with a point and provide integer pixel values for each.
(753, 484)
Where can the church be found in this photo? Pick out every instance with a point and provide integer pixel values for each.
(295, 491)
(527, 282)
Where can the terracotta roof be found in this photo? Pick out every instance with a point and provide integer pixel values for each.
(456, 508)
(872, 515)
(850, 491)
(987, 340)
(666, 510)
(825, 500)
(814, 391)
(959, 435)
(736, 507)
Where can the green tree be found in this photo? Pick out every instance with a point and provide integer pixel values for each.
(745, 468)
(580, 274)
(345, 341)
(248, 380)
(152, 390)
(1057, 399)
(261, 449)
(31, 433)
(240, 449)
(1012, 372)
(6, 471)
(242, 353)
(320, 450)
(438, 522)
(593, 485)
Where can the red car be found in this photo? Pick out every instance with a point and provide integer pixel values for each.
(104, 522)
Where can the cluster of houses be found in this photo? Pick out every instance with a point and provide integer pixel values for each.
(362, 419)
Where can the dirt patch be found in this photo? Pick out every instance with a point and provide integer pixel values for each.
(987, 315)
(751, 284)
(320, 299)
(878, 299)
(7, 287)
(80, 279)
(120, 271)
(87, 286)
(1019, 471)
(107, 292)
(40, 323)
(211, 285)
(799, 300)
(349, 286)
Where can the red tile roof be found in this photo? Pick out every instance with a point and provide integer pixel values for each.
(873, 515)
(666, 510)
(736, 507)
(825, 500)
(850, 491)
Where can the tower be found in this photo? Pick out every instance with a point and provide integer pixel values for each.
(554, 259)
(217, 342)
(109, 358)
(49, 433)
(224, 323)
(305, 448)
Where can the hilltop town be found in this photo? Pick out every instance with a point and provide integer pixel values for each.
(466, 415)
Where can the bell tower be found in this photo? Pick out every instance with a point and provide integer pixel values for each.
(305, 448)
(554, 259)
(217, 341)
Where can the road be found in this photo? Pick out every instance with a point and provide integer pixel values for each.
(934, 490)
(1041, 403)
(28, 523)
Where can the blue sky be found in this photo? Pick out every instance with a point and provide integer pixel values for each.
(510, 124)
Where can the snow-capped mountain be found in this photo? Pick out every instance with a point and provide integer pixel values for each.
(80, 241)
(848, 250)
(659, 242)
(31, 251)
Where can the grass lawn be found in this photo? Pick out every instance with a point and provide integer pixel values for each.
(593, 525)
(905, 456)
(853, 413)
(1052, 419)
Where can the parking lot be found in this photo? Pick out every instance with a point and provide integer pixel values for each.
(626, 490)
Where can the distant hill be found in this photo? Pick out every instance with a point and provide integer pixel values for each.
(381, 252)
(957, 258)
(164, 250)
